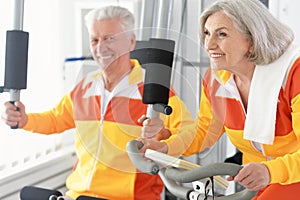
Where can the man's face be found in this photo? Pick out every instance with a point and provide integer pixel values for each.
(109, 43)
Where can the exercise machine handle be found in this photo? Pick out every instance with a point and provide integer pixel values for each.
(147, 166)
(172, 177)
(210, 170)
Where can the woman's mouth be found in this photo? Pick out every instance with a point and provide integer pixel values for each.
(216, 55)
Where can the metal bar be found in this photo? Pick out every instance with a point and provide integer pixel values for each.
(18, 14)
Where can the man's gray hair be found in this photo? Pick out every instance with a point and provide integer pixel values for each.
(111, 12)
(270, 38)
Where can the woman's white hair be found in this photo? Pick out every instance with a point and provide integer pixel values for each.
(125, 17)
(270, 38)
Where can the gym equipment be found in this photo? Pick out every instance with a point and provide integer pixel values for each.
(16, 57)
(173, 177)
(37, 193)
(156, 57)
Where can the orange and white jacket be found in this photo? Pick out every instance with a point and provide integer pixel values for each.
(102, 132)
(223, 112)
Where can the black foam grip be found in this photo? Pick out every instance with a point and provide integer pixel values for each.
(18, 109)
(36, 193)
(155, 93)
(158, 71)
(16, 58)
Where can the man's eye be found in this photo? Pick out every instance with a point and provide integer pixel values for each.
(93, 41)
(110, 39)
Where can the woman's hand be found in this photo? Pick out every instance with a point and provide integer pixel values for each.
(153, 144)
(253, 176)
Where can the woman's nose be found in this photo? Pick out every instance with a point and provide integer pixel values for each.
(210, 42)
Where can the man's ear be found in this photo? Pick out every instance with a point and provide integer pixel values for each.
(133, 42)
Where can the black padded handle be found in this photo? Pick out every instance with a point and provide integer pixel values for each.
(18, 109)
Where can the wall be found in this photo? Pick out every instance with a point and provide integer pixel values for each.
(288, 12)
(49, 172)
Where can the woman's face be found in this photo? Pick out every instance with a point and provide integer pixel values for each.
(226, 46)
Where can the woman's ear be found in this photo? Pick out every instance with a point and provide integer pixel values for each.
(251, 49)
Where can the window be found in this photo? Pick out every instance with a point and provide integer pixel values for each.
(44, 80)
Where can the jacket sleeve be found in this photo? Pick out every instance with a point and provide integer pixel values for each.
(182, 127)
(208, 128)
(56, 120)
(289, 164)
(195, 136)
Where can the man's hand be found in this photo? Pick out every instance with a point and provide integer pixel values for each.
(153, 128)
(12, 117)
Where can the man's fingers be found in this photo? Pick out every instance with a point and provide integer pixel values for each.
(148, 132)
(141, 119)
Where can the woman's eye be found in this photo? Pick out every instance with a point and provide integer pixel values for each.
(206, 33)
(222, 34)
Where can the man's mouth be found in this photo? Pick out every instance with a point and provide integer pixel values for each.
(105, 57)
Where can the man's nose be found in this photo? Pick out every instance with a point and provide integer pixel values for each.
(101, 46)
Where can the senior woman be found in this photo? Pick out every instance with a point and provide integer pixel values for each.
(252, 93)
(253, 89)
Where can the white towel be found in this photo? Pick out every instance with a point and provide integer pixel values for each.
(263, 97)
